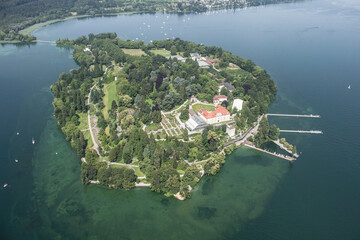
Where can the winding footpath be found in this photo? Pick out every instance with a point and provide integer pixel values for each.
(95, 145)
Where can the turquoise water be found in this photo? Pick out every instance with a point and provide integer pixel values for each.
(312, 51)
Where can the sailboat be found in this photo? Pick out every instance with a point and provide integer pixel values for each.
(349, 87)
(33, 141)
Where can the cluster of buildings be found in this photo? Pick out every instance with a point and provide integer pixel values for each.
(202, 61)
(198, 121)
(220, 114)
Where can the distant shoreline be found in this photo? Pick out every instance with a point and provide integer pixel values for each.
(32, 28)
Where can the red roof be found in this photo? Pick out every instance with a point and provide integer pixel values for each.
(218, 109)
(217, 97)
(211, 61)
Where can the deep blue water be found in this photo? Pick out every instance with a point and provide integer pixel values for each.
(310, 49)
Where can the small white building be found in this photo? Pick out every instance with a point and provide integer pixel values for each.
(230, 130)
(218, 99)
(237, 104)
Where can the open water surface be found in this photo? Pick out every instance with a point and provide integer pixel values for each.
(311, 49)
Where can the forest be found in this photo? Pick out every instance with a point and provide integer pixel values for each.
(130, 94)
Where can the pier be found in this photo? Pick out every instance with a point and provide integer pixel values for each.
(302, 131)
(44, 41)
(288, 158)
(293, 115)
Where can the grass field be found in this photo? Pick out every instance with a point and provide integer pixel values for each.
(83, 121)
(162, 52)
(110, 95)
(237, 72)
(153, 126)
(83, 126)
(138, 172)
(197, 107)
(87, 136)
(133, 52)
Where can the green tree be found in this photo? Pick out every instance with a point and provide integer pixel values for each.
(127, 153)
(156, 116)
(212, 140)
(186, 134)
(184, 116)
(173, 50)
(274, 132)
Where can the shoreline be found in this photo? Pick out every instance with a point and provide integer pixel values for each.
(32, 28)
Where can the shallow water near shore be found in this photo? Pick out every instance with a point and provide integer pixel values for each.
(310, 49)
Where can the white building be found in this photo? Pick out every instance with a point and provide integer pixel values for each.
(230, 130)
(220, 114)
(237, 105)
(178, 57)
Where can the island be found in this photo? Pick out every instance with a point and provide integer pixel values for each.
(159, 115)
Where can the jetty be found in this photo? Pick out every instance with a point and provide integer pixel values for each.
(43, 41)
(293, 115)
(288, 158)
(302, 131)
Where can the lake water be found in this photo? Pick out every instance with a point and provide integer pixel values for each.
(312, 51)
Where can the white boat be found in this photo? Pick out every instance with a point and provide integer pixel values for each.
(33, 141)
(16, 160)
(17, 133)
(349, 87)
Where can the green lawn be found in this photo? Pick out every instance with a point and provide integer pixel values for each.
(237, 72)
(133, 52)
(83, 121)
(138, 172)
(152, 127)
(87, 136)
(197, 107)
(180, 171)
(110, 95)
(162, 52)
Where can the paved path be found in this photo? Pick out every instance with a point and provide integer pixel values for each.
(95, 146)
(122, 164)
(141, 184)
(175, 109)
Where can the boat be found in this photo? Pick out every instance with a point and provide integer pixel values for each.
(349, 87)
(5, 185)
(17, 133)
(16, 160)
(33, 141)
